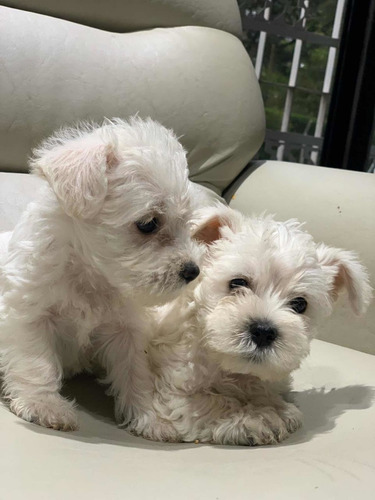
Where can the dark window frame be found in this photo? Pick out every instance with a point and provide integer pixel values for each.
(350, 121)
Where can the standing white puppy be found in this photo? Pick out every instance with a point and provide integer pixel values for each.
(107, 236)
(223, 352)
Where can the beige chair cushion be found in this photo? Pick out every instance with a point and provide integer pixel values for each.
(198, 81)
(331, 457)
(16, 192)
(338, 207)
(134, 15)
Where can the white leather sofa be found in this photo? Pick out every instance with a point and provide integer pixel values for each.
(181, 61)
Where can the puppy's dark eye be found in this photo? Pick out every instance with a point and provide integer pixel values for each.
(298, 305)
(148, 227)
(238, 283)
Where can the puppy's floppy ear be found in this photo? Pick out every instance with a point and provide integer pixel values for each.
(210, 224)
(75, 164)
(347, 273)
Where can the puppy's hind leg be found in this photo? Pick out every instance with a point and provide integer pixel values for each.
(32, 375)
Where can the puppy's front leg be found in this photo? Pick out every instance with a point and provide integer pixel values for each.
(252, 425)
(250, 389)
(32, 375)
(121, 351)
(227, 420)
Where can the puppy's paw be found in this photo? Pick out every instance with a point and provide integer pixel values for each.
(154, 428)
(49, 410)
(281, 421)
(265, 427)
(262, 434)
(251, 428)
(291, 416)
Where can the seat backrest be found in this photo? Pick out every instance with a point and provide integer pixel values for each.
(194, 78)
(134, 15)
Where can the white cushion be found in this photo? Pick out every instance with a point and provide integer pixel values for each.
(338, 207)
(332, 456)
(198, 81)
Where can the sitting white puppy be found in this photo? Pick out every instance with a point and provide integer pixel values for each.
(107, 235)
(224, 350)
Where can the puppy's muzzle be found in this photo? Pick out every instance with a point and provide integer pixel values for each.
(189, 272)
(262, 333)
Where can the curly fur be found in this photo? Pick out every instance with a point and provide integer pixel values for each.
(77, 272)
(213, 383)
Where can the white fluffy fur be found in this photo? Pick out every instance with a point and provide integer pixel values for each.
(212, 383)
(77, 271)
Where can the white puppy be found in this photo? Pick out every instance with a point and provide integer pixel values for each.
(223, 351)
(107, 235)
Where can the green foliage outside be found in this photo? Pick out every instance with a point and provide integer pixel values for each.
(277, 63)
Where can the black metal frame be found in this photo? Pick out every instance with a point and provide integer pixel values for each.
(350, 122)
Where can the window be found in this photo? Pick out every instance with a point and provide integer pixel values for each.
(294, 46)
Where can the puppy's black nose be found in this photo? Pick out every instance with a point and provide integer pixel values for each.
(262, 333)
(189, 272)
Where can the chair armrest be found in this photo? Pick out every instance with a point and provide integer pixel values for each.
(339, 209)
